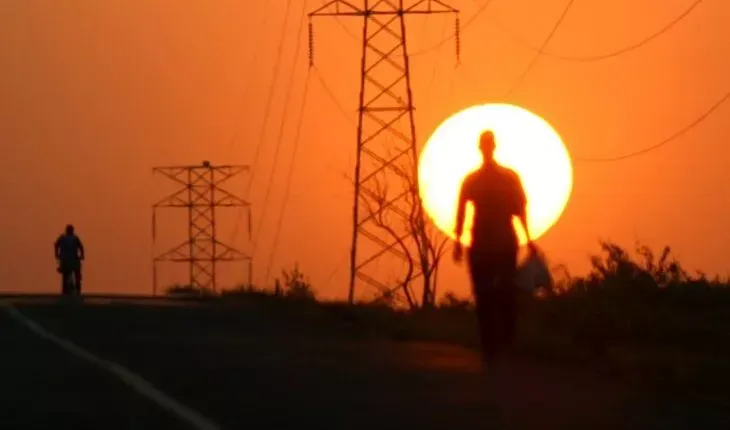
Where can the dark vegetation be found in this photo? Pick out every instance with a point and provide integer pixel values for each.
(639, 316)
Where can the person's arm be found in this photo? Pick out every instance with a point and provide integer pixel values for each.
(81, 249)
(56, 246)
(522, 207)
(522, 214)
(461, 211)
(460, 216)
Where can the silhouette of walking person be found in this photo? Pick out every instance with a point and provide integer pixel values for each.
(497, 195)
(69, 253)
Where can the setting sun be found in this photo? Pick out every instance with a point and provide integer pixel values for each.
(525, 143)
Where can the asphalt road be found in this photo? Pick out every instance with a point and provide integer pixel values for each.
(252, 367)
(43, 387)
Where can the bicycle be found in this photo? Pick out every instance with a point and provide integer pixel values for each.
(70, 286)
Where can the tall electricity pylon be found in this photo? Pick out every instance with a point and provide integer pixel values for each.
(386, 161)
(201, 194)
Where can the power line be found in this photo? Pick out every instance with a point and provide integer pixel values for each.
(289, 176)
(433, 69)
(331, 94)
(587, 58)
(272, 89)
(267, 112)
(565, 57)
(535, 57)
(247, 87)
(665, 141)
(277, 148)
(481, 9)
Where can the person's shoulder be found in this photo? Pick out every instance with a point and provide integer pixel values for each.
(470, 178)
(509, 174)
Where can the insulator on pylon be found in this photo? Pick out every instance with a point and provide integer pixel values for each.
(457, 34)
(311, 44)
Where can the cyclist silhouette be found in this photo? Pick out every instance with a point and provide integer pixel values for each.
(69, 252)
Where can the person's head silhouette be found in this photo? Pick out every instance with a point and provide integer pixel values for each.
(487, 145)
(69, 229)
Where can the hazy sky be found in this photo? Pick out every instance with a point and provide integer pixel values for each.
(94, 93)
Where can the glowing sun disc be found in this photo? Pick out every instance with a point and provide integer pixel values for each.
(526, 143)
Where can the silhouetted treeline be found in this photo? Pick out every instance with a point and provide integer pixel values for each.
(637, 314)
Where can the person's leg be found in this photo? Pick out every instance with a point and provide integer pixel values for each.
(77, 278)
(65, 278)
(482, 279)
(508, 313)
(507, 298)
(491, 324)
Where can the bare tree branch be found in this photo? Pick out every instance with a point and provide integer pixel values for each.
(419, 240)
(378, 208)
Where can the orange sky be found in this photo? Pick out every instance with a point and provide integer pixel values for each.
(93, 94)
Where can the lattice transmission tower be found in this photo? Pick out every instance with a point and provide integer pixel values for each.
(385, 176)
(201, 194)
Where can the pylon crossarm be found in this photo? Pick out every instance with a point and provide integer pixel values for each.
(184, 204)
(227, 173)
(327, 9)
(179, 251)
(444, 8)
(390, 7)
(229, 199)
(173, 200)
(229, 250)
(174, 175)
(185, 168)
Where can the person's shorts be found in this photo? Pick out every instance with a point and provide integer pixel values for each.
(492, 264)
(69, 266)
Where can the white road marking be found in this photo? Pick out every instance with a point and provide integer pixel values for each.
(143, 387)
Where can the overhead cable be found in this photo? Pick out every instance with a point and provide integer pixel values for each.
(535, 57)
(267, 113)
(481, 9)
(289, 177)
(663, 142)
(280, 137)
(250, 65)
(331, 94)
(598, 57)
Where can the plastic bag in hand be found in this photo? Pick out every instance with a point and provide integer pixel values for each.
(534, 273)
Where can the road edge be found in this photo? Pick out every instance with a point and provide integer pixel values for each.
(139, 384)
